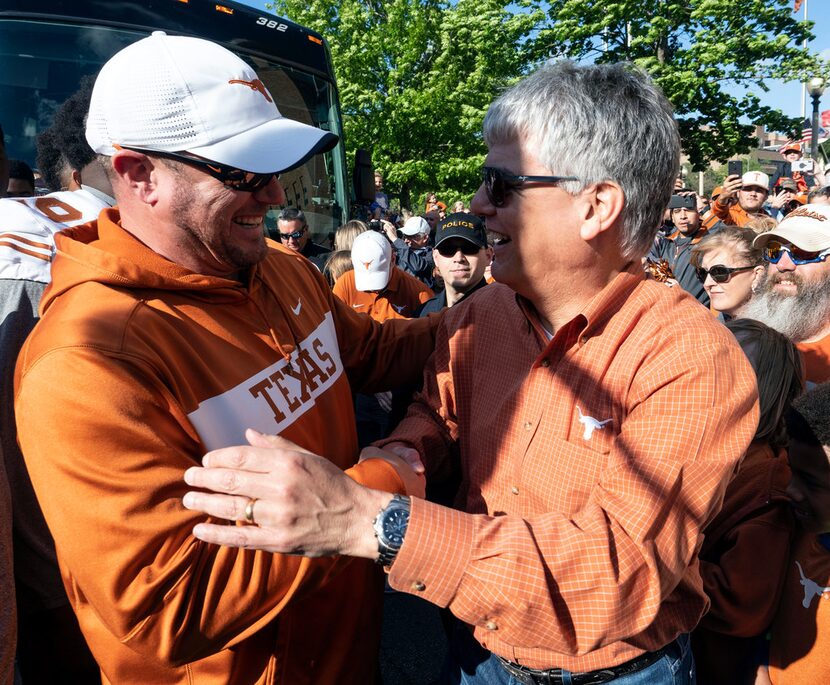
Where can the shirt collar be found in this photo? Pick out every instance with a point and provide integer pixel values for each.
(597, 312)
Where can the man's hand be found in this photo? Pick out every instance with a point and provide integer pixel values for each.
(304, 503)
(409, 454)
(781, 199)
(391, 231)
(731, 186)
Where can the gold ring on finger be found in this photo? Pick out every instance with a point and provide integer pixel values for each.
(249, 510)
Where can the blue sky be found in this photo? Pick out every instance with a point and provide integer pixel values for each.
(787, 96)
(783, 96)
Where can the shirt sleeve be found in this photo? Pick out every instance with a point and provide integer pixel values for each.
(107, 448)
(721, 211)
(574, 585)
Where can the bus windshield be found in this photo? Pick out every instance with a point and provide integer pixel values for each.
(44, 61)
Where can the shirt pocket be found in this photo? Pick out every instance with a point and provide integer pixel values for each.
(564, 472)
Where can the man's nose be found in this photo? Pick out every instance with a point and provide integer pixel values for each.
(785, 263)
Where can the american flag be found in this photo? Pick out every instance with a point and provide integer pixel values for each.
(807, 131)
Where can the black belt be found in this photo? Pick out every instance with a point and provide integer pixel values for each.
(553, 676)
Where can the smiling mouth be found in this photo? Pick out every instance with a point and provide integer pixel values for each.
(248, 221)
(497, 238)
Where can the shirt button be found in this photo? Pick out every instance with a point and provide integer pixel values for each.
(491, 625)
(528, 425)
(514, 490)
(419, 586)
(545, 363)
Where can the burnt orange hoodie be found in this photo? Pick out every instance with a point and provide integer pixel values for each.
(137, 367)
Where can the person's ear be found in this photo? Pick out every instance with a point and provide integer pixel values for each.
(138, 173)
(605, 204)
(758, 275)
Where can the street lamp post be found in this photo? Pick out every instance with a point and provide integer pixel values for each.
(815, 87)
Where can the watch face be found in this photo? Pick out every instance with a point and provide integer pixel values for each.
(394, 526)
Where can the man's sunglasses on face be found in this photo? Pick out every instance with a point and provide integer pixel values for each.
(773, 251)
(719, 272)
(498, 183)
(449, 249)
(231, 177)
(296, 235)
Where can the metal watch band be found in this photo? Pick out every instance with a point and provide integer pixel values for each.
(387, 552)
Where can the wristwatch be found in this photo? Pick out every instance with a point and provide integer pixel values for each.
(390, 527)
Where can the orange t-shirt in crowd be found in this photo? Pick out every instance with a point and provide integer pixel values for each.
(800, 633)
(816, 359)
(590, 465)
(401, 298)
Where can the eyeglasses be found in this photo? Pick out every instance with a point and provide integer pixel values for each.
(773, 251)
(448, 248)
(296, 235)
(720, 273)
(498, 183)
(231, 177)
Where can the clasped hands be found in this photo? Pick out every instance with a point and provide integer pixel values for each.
(304, 504)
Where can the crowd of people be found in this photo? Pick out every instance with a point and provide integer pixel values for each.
(601, 446)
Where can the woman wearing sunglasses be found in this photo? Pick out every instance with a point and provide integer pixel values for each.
(729, 267)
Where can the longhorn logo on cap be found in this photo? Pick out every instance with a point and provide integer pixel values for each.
(256, 85)
(368, 264)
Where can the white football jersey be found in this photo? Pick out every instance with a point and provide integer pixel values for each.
(28, 226)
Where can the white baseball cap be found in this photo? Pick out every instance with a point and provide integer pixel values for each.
(806, 227)
(181, 94)
(415, 225)
(372, 260)
(755, 178)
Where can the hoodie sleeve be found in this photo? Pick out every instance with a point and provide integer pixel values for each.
(106, 445)
(383, 356)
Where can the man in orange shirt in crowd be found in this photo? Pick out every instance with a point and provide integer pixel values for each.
(596, 416)
(794, 298)
(751, 190)
(376, 286)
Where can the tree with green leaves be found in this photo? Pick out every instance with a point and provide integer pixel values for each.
(711, 58)
(415, 80)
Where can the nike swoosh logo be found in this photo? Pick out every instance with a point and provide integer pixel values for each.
(297, 309)
(356, 306)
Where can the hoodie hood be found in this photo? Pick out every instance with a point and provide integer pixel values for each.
(103, 252)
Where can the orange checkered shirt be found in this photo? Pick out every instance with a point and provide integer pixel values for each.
(591, 463)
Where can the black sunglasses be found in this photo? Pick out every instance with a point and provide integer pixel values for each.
(498, 183)
(449, 248)
(296, 235)
(719, 272)
(231, 177)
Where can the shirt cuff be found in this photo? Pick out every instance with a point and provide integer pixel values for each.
(435, 553)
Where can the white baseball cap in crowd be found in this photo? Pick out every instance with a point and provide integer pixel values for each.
(807, 227)
(372, 260)
(415, 225)
(181, 94)
(755, 178)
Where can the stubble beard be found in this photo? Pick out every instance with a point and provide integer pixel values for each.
(226, 251)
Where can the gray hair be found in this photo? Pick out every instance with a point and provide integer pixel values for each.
(597, 122)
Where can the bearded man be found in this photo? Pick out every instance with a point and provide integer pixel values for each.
(794, 298)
